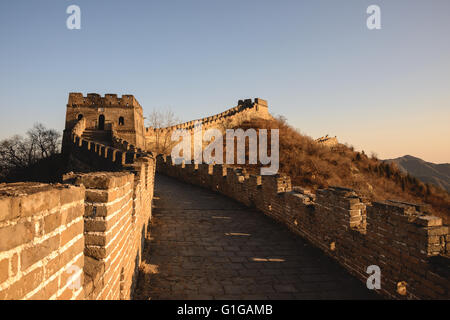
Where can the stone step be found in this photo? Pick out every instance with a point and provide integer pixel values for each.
(100, 136)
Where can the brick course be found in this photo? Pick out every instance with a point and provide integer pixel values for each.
(89, 229)
(409, 246)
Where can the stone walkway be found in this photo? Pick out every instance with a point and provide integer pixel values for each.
(202, 245)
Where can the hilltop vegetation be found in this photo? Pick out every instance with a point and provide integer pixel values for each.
(315, 166)
(437, 174)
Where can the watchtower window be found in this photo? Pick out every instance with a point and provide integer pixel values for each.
(101, 122)
(121, 121)
(80, 116)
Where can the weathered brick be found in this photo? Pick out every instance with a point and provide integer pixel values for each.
(53, 221)
(26, 284)
(70, 194)
(64, 258)
(6, 211)
(14, 264)
(4, 270)
(95, 239)
(47, 291)
(429, 221)
(71, 232)
(15, 235)
(104, 181)
(102, 196)
(66, 294)
(68, 276)
(95, 252)
(36, 253)
(34, 203)
(104, 209)
(91, 225)
(74, 212)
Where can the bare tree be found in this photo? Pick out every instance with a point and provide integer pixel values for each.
(158, 120)
(20, 152)
(16, 152)
(46, 140)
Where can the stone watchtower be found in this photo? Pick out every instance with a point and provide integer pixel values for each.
(103, 114)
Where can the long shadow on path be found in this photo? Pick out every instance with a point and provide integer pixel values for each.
(202, 245)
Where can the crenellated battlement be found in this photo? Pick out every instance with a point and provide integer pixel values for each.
(245, 109)
(95, 100)
(95, 222)
(123, 114)
(102, 156)
(90, 228)
(401, 238)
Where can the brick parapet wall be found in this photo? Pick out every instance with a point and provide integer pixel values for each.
(91, 229)
(244, 106)
(95, 100)
(118, 208)
(245, 110)
(122, 144)
(42, 242)
(100, 156)
(408, 245)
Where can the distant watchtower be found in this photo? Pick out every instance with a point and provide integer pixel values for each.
(123, 115)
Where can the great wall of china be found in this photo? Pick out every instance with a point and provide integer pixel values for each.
(91, 227)
(407, 245)
(89, 230)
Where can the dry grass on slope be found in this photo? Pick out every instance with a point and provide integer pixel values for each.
(315, 166)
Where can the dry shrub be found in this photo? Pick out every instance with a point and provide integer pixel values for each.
(315, 166)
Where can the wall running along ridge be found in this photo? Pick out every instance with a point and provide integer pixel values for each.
(92, 227)
(245, 110)
(410, 247)
(132, 130)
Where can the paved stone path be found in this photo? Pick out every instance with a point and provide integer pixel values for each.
(205, 246)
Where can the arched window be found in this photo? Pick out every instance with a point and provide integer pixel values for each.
(121, 121)
(80, 116)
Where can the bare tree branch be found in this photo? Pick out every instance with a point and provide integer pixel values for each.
(20, 152)
(158, 120)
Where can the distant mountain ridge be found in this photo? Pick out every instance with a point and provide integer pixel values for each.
(428, 172)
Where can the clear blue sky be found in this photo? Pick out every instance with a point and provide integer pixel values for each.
(315, 61)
